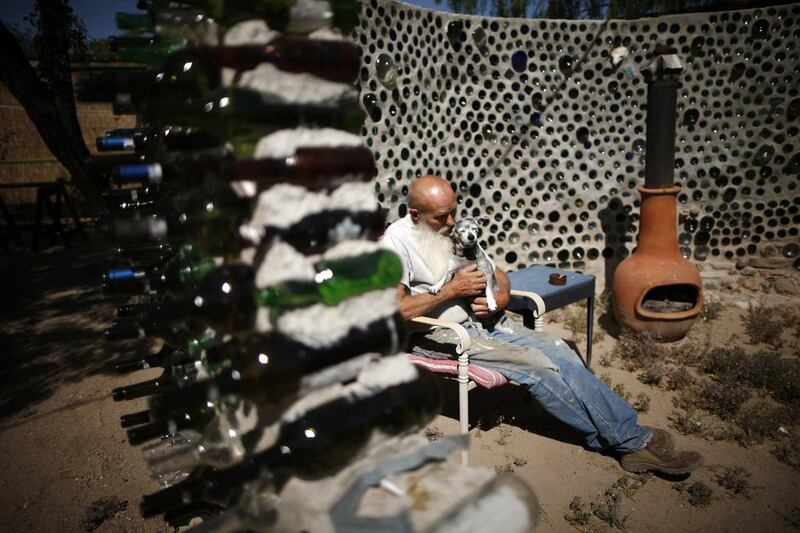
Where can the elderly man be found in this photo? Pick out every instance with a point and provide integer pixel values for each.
(550, 371)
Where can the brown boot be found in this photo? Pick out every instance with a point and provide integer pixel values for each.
(660, 456)
(661, 439)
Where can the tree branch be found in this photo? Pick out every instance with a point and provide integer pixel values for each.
(52, 112)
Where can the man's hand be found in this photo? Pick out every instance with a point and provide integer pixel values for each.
(468, 281)
(502, 296)
(481, 307)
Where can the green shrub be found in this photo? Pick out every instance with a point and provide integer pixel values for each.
(760, 420)
(619, 390)
(577, 515)
(679, 379)
(764, 325)
(101, 510)
(637, 350)
(698, 494)
(575, 321)
(606, 507)
(780, 376)
(689, 353)
(653, 373)
(734, 479)
(711, 310)
(725, 361)
(641, 404)
(433, 433)
(687, 422)
(721, 398)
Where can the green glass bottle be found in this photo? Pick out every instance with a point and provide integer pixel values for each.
(228, 300)
(278, 14)
(336, 281)
(176, 275)
(147, 50)
(192, 24)
(243, 116)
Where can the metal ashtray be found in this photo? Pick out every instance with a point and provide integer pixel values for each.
(558, 279)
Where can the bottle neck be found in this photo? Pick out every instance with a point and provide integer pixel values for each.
(312, 168)
(111, 144)
(145, 388)
(147, 50)
(195, 419)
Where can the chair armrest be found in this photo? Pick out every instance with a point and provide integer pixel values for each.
(537, 300)
(464, 341)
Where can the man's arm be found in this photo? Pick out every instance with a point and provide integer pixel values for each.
(502, 296)
(467, 282)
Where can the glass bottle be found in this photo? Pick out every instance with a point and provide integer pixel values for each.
(227, 299)
(318, 444)
(268, 369)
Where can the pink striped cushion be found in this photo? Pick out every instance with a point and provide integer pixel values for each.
(482, 376)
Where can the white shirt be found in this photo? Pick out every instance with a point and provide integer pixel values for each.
(417, 275)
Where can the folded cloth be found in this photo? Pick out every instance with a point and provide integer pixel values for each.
(484, 377)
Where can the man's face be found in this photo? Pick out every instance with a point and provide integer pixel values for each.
(439, 213)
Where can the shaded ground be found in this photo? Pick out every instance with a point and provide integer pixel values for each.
(61, 447)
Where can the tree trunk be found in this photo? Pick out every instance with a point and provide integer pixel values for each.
(50, 108)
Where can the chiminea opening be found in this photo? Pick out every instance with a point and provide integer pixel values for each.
(675, 298)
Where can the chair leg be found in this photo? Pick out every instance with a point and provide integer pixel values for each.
(463, 401)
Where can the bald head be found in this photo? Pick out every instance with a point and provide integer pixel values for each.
(427, 190)
(432, 201)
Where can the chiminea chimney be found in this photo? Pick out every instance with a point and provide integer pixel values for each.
(656, 289)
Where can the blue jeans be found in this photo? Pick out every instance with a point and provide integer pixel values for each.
(554, 375)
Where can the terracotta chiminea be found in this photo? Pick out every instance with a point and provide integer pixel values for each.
(656, 289)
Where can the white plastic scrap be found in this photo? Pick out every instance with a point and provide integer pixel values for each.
(253, 31)
(384, 373)
(284, 263)
(284, 204)
(321, 325)
(618, 54)
(284, 143)
(279, 86)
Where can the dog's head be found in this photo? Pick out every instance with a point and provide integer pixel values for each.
(465, 234)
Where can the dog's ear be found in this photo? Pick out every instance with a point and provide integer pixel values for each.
(482, 220)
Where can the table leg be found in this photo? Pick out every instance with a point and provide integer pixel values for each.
(589, 329)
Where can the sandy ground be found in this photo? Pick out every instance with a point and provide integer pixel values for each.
(61, 446)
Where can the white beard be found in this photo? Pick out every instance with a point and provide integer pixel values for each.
(435, 248)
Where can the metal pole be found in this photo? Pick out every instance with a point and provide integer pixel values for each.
(663, 78)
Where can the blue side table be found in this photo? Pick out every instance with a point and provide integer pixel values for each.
(536, 279)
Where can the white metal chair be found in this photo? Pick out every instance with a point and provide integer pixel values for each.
(465, 384)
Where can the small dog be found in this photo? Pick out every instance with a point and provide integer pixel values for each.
(467, 250)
